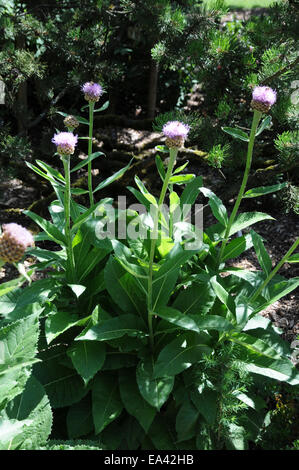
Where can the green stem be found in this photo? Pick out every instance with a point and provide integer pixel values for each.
(255, 121)
(172, 157)
(91, 109)
(67, 211)
(170, 215)
(274, 271)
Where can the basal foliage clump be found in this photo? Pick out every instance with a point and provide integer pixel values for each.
(141, 336)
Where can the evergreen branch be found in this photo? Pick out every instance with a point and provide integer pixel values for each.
(281, 71)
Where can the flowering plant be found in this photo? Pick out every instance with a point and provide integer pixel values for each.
(148, 339)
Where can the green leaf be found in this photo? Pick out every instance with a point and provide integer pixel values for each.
(246, 219)
(196, 299)
(254, 402)
(161, 434)
(236, 133)
(194, 322)
(180, 168)
(261, 252)
(180, 354)
(191, 191)
(133, 401)
(8, 286)
(126, 291)
(181, 179)
(154, 390)
(160, 167)
(106, 402)
(236, 439)
(79, 419)
(33, 406)
(51, 171)
(87, 357)
(255, 344)
(102, 108)
(217, 206)
(237, 246)
(275, 291)
(162, 148)
(48, 228)
(186, 421)
(266, 122)
(87, 160)
(206, 403)
(165, 277)
(58, 323)
(279, 369)
(22, 302)
(18, 348)
(113, 178)
(223, 295)
(291, 259)
(10, 430)
(62, 384)
(260, 191)
(115, 328)
(78, 289)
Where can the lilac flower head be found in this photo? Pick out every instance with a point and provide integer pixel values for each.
(176, 133)
(14, 241)
(92, 91)
(65, 143)
(263, 97)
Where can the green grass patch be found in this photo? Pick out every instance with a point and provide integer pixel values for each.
(245, 4)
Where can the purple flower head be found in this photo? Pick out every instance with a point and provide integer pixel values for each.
(65, 143)
(92, 91)
(264, 95)
(14, 241)
(175, 130)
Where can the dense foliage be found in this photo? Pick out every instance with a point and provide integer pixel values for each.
(140, 337)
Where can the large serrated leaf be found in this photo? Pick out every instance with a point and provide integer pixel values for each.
(18, 347)
(32, 405)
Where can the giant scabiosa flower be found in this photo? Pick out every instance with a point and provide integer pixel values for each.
(13, 242)
(65, 143)
(92, 91)
(175, 133)
(263, 97)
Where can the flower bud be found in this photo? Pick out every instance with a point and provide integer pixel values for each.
(13, 242)
(92, 91)
(65, 143)
(175, 133)
(263, 97)
(71, 122)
